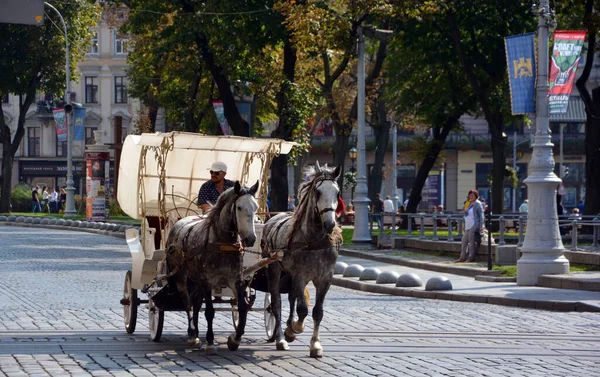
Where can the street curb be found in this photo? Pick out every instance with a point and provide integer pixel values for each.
(63, 227)
(423, 265)
(561, 306)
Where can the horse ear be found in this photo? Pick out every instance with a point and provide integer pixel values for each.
(337, 171)
(253, 189)
(317, 166)
(237, 188)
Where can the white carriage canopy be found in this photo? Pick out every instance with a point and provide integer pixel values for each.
(167, 169)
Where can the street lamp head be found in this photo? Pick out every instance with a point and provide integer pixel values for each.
(504, 137)
(353, 153)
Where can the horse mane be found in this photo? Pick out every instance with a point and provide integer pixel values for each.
(305, 198)
(225, 198)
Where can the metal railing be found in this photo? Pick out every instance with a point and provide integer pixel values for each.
(444, 227)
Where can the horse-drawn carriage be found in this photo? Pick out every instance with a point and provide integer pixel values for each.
(180, 259)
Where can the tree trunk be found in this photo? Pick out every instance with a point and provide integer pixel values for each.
(340, 147)
(440, 134)
(191, 121)
(238, 125)
(592, 160)
(10, 146)
(592, 125)
(381, 128)
(279, 174)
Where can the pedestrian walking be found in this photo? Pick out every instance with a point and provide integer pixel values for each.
(35, 200)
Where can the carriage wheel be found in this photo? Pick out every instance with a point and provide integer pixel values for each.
(269, 318)
(129, 309)
(156, 318)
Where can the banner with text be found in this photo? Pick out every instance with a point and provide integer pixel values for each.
(61, 125)
(520, 59)
(563, 67)
(220, 113)
(79, 123)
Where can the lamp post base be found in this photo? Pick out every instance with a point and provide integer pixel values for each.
(361, 220)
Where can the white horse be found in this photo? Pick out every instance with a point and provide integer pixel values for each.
(310, 239)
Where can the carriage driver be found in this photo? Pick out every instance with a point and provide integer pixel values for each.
(210, 190)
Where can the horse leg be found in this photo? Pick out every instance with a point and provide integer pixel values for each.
(316, 350)
(296, 327)
(274, 277)
(209, 314)
(192, 330)
(233, 341)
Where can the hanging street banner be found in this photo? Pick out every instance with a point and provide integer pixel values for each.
(61, 125)
(563, 67)
(220, 113)
(520, 59)
(79, 129)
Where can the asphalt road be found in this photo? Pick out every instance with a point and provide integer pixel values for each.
(60, 316)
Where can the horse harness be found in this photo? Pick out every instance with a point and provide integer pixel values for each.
(218, 247)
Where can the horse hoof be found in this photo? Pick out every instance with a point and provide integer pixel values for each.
(211, 350)
(193, 341)
(290, 336)
(316, 353)
(232, 344)
(282, 345)
(298, 327)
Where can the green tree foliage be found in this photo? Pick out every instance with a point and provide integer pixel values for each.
(469, 36)
(33, 60)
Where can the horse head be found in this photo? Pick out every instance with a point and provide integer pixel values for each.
(245, 213)
(327, 192)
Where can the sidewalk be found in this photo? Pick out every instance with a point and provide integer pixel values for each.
(465, 287)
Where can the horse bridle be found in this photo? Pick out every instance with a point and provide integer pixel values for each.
(316, 183)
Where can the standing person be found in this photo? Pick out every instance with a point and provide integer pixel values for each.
(45, 199)
(35, 200)
(53, 201)
(377, 209)
(560, 211)
(473, 223)
(523, 208)
(210, 190)
(388, 205)
(62, 199)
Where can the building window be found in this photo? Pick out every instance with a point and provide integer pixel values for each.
(89, 134)
(121, 43)
(94, 47)
(91, 89)
(61, 148)
(120, 89)
(33, 141)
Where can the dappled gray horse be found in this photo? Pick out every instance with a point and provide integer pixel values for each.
(208, 251)
(310, 239)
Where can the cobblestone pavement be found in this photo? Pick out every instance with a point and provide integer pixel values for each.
(60, 316)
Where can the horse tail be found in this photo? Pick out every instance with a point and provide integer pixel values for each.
(307, 297)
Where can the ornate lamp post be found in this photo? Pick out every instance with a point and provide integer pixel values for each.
(543, 250)
(352, 153)
(361, 204)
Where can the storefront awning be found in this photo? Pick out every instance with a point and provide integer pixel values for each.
(575, 112)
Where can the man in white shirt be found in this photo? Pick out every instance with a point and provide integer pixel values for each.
(524, 207)
(53, 201)
(388, 205)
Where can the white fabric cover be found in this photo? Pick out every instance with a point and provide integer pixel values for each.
(187, 167)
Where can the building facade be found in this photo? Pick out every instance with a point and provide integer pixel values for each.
(102, 90)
